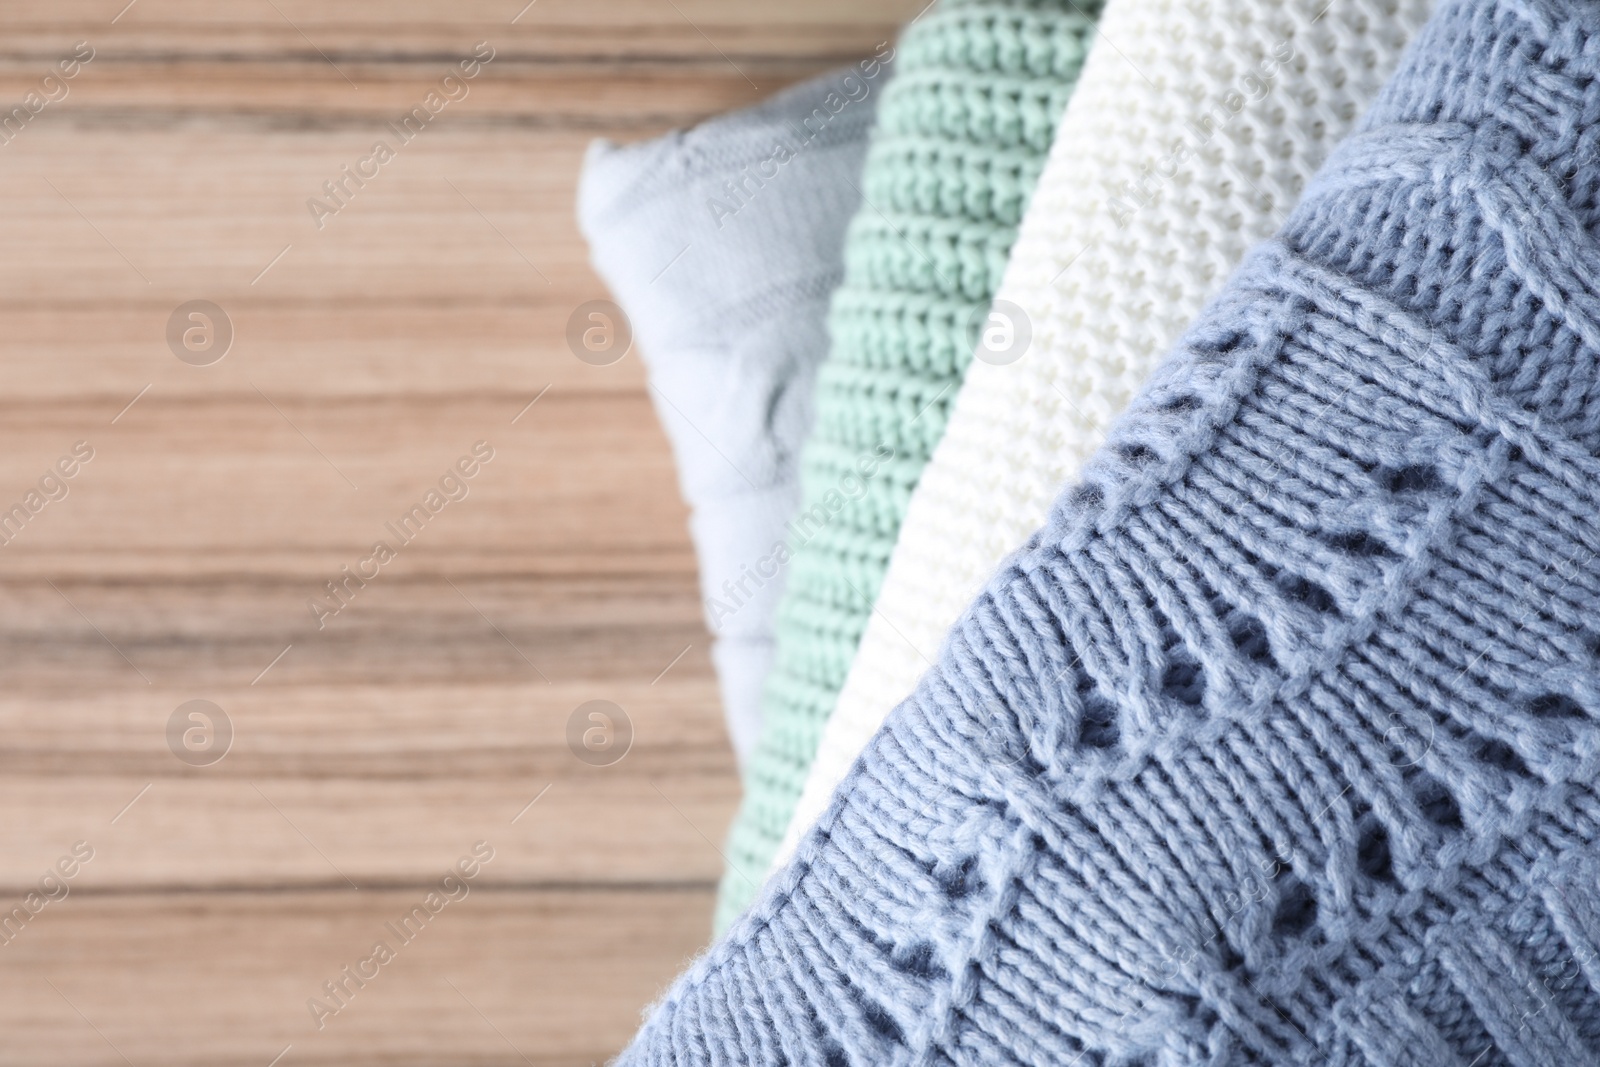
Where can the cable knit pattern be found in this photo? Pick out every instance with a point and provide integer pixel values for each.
(724, 243)
(1183, 146)
(1279, 743)
(963, 131)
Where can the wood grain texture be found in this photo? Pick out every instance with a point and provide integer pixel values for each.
(500, 977)
(371, 748)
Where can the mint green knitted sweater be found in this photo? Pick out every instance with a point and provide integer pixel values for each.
(963, 131)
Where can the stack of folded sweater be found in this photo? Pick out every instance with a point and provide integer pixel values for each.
(1275, 738)
(1183, 146)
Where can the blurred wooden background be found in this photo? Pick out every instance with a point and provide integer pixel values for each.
(368, 356)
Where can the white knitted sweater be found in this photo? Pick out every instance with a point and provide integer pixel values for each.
(1193, 130)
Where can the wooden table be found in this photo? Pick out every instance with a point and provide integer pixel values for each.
(369, 354)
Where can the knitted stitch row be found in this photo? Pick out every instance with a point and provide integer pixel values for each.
(963, 131)
(1181, 148)
(1280, 743)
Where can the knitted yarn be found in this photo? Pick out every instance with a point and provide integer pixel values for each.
(962, 134)
(723, 244)
(1182, 147)
(1280, 742)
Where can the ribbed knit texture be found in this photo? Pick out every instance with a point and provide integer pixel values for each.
(1154, 191)
(1279, 744)
(723, 244)
(963, 131)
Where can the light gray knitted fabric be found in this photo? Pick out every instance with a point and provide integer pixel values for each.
(723, 244)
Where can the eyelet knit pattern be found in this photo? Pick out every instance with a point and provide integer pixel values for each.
(1279, 743)
(1155, 189)
(963, 131)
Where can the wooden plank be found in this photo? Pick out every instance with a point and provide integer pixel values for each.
(503, 977)
(614, 826)
(636, 64)
(457, 270)
(487, 629)
(394, 32)
(457, 213)
(580, 483)
(355, 347)
(422, 717)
